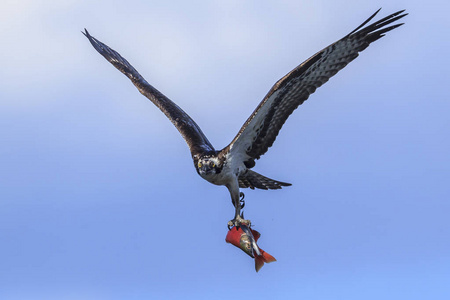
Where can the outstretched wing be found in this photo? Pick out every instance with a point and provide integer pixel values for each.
(191, 132)
(262, 127)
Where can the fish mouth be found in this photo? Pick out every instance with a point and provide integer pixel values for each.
(245, 244)
(251, 248)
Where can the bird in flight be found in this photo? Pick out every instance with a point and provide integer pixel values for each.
(232, 166)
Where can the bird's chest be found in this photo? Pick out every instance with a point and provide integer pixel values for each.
(223, 178)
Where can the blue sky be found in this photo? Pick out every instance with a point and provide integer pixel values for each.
(98, 195)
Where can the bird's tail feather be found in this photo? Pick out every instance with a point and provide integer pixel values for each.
(254, 180)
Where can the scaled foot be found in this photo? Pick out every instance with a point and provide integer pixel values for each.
(237, 221)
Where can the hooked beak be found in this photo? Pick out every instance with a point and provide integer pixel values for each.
(204, 170)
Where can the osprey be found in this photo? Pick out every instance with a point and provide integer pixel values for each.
(232, 165)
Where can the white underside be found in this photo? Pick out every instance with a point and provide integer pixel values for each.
(232, 169)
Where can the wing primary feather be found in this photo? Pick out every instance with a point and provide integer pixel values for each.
(114, 58)
(381, 23)
(365, 22)
(380, 33)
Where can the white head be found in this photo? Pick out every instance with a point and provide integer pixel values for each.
(207, 166)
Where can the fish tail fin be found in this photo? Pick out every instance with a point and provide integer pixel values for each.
(267, 257)
(263, 258)
(259, 262)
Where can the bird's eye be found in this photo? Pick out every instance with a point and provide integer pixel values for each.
(199, 164)
(213, 165)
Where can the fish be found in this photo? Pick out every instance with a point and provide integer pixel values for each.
(245, 239)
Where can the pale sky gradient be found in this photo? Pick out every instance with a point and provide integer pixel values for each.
(98, 195)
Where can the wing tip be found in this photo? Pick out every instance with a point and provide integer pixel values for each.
(86, 33)
(380, 23)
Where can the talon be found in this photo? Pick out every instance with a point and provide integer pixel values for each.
(230, 225)
(236, 222)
